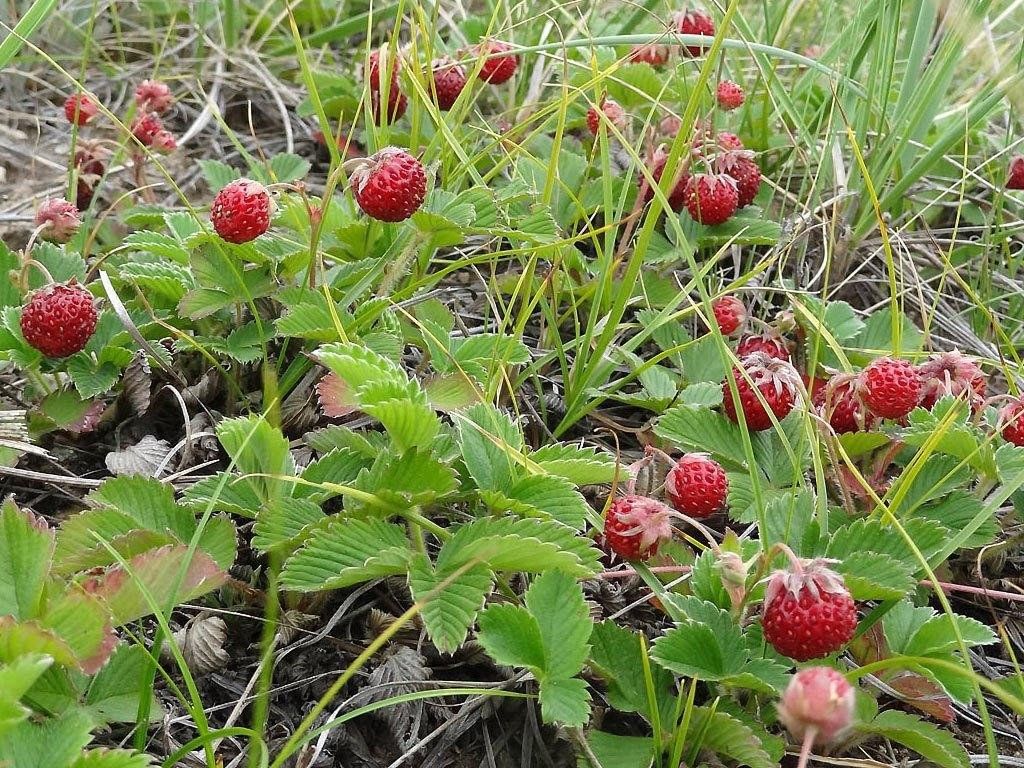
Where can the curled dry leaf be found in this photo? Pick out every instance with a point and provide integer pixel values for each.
(202, 643)
(143, 458)
(137, 383)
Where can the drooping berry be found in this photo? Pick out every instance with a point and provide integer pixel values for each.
(950, 373)
(677, 196)
(1011, 418)
(777, 382)
(774, 346)
(153, 96)
(58, 220)
(80, 109)
(730, 314)
(694, 22)
(808, 611)
(729, 95)
(373, 68)
(149, 129)
(497, 69)
(818, 702)
(654, 54)
(59, 319)
(711, 198)
(740, 166)
(1016, 177)
(449, 80)
(635, 526)
(891, 388)
(696, 485)
(839, 404)
(241, 211)
(613, 112)
(728, 141)
(390, 185)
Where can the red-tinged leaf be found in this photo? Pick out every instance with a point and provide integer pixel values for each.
(89, 420)
(82, 621)
(20, 638)
(335, 399)
(157, 572)
(921, 693)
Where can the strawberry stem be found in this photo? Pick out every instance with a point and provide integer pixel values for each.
(805, 749)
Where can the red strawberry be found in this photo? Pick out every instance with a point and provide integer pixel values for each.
(950, 373)
(1011, 417)
(149, 130)
(79, 109)
(772, 346)
(694, 22)
(838, 403)
(635, 526)
(739, 164)
(348, 147)
(776, 380)
(677, 196)
(808, 612)
(241, 211)
(153, 96)
(818, 703)
(374, 65)
(449, 80)
(57, 220)
(397, 105)
(1016, 179)
(729, 95)
(59, 319)
(390, 185)
(613, 112)
(711, 198)
(696, 485)
(728, 141)
(890, 388)
(497, 69)
(650, 53)
(730, 314)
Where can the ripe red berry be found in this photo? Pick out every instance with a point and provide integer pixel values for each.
(58, 220)
(1011, 417)
(740, 166)
(773, 346)
(696, 485)
(635, 526)
(241, 211)
(950, 373)
(397, 105)
(390, 185)
(890, 388)
(711, 198)
(654, 54)
(729, 141)
(839, 404)
(449, 80)
(497, 69)
(729, 95)
(79, 109)
(677, 196)
(149, 130)
(777, 382)
(1016, 178)
(694, 22)
(818, 701)
(808, 612)
(59, 319)
(730, 314)
(613, 112)
(374, 66)
(153, 96)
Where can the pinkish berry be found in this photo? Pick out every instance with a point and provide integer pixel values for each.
(729, 141)
(79, 109)
(1016, 178)
(818, 703)
(613, 112)
(650, 53)
(58, 219)
(729, 95)
(774, 346)
(153, 96)
(730, 314)
(635, 526)
(1011, 417)
(950, 373)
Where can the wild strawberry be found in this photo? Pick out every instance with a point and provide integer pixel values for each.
(57, 220)
(59, 319)
(694, 22)
(89, 159)
(773, 346)
(818, 703)
(808, 612)
(613, 112)
(149, 130)
(669, 126)
(650, 53)
(729, 141)
(730, 314)
(390, 185)
(241, 211)
(153, 96)
(890, 388)
(729, 95)
(635, 526)
(950, 373)
(1016, 178)
(497, 69)
(1011, 417)
(838, 403)
(696, 485)
(374, 66)
(677, 196)
(80, 109)
(449, 80)
(777, 382)
(397, 104)
(348, 147)
(739, 164)
(711, 198)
